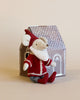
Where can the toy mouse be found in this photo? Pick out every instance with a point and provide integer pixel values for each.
(38, 59)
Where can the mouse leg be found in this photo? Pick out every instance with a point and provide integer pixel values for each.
(52, 77)
(44, 79)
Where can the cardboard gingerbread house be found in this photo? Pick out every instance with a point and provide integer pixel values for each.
(56, 49)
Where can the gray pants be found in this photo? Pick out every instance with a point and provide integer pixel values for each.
(49, 70)
(35, 79)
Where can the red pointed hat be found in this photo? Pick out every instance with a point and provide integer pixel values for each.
(33, 37)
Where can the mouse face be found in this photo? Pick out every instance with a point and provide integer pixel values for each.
(39, 49)
(40, 44)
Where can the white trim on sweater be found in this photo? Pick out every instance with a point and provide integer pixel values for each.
(48, 62)
(29, 62)
(37, 74)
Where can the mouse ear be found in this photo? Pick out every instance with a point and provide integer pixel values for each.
(44, 39)
(26, 40)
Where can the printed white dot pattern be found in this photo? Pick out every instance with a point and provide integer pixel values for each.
(51, 33)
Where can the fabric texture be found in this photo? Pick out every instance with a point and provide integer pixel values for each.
(52, 77)
(44, 79)
(40, 54)
(33, 37)
(35, 79)
(36, 66)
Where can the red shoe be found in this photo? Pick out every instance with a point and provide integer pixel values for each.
(44, 79)
(52, 77)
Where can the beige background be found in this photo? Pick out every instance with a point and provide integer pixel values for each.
(15, 16)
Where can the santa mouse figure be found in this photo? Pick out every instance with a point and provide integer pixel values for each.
(38, 59)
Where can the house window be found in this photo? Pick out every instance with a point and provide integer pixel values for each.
(26, 54)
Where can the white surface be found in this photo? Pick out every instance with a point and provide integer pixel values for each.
(16, 87)
(15, 16)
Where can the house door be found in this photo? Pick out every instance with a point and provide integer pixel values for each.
(58, 59)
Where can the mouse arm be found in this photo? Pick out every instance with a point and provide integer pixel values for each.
(27, 63)
(25, 67)
(53, 64)
(50, 62)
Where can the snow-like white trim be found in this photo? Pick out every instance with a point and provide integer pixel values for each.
(29, 62)
(64, 62)
(37, 74)
(60, 61)
(59, 74)
(48, 62)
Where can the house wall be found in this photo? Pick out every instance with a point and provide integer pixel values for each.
(61, 53)
(21, 61)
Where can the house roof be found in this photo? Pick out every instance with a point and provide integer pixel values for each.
(51, 33)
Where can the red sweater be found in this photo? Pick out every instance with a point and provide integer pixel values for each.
(36, 66)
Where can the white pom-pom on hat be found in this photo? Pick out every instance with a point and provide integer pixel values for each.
(32, 37)
(26, 40)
